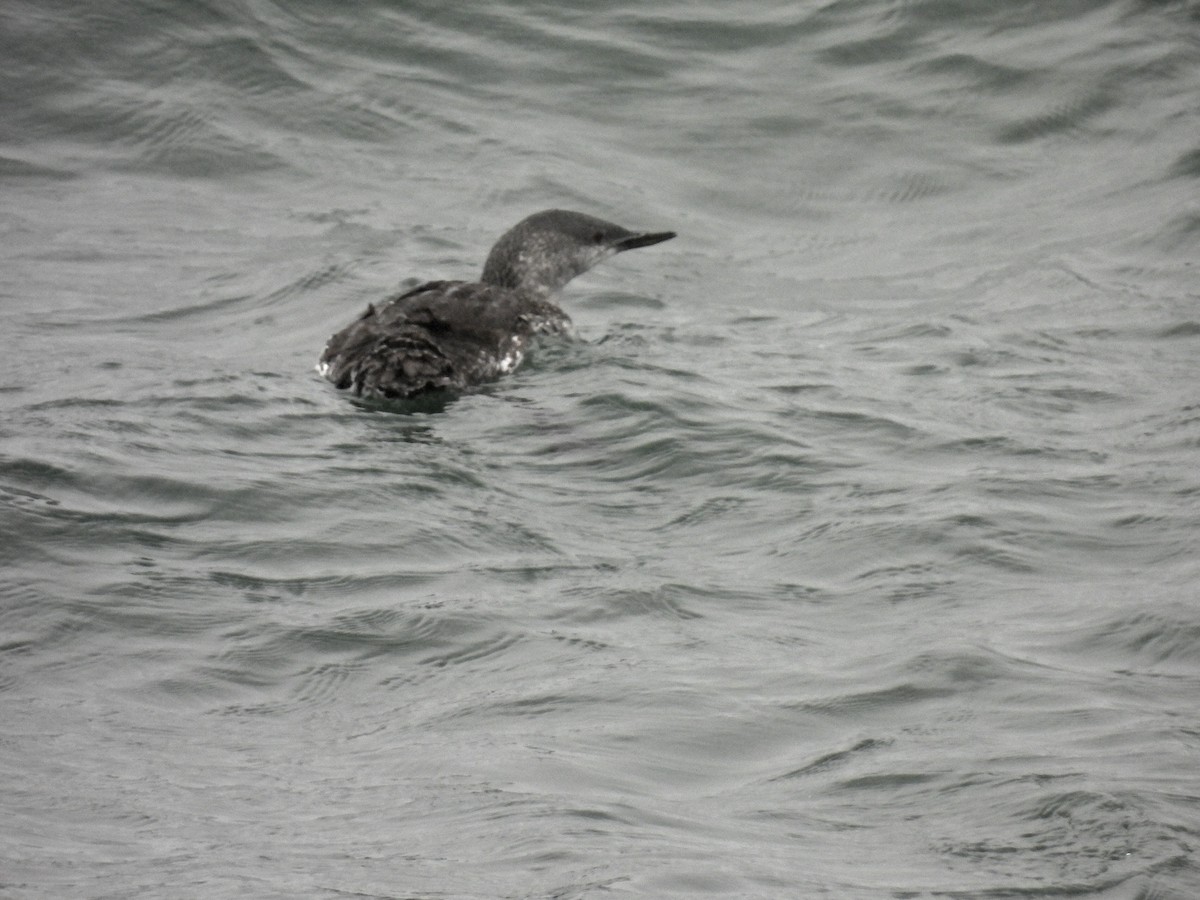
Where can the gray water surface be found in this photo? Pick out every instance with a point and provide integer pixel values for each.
(850, 553)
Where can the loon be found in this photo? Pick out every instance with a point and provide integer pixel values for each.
(446, 336)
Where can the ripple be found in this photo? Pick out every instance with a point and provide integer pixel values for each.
(1165, 640)
(1065, 116)
(1093, 840)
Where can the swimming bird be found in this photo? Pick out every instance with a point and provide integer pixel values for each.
(451, 335)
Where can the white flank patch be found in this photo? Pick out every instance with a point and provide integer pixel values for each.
(510, 361)
(513, 357)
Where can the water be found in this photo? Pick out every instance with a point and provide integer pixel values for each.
(852, 553)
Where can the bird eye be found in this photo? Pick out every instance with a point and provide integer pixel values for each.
(598, 237)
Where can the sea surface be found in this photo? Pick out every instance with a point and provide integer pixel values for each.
(853, 550)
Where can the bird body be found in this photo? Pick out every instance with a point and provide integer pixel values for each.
(452, 335)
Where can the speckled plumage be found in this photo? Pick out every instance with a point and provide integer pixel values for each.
(450, 335)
